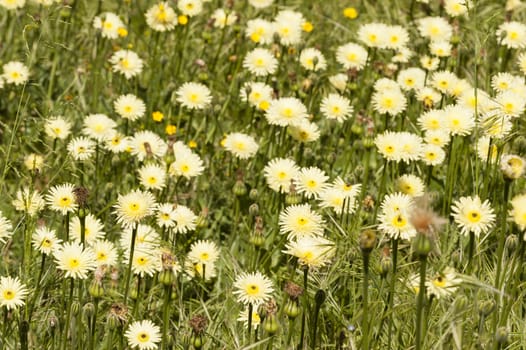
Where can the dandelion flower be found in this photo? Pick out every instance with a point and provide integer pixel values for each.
(411, 79)
(286, 111)
(34, 162)
(152, 176)
(299, 221)
(373, 34)
(351, 56)
(435, 28)
(45, 240)
(105, 253)
(336, 107)
(12, 292)
(5, 228)
(260, 62)
(257, 94)
(161, 17)
(256, 318)
(311, 181)
(279, 173)
(223, 19)
(337, 199)
(443, 284)
(190, 8)
(109, 24)
(512, 35)
(518, 211)
(395, 216)
(259, 31)
(29, 202)
(165, 215)
(146, 143)
(259, 4)
(129, 107)
(194, 95)
(253, 288)
(288, 25)
(512, 166)
(143, 335)
(127, 63)
(390, 101)
(61, 198)
(433, 154)
(12, 4)
(202, 258)
(15, 73)
(57, 128)
(473, 215)
(74, 260)
(438, 138)
(146, 261)
(305, 132)
(411, 185)
(312, 59)
(81, 148)
(185, 219)
(311, 251)
(459, 120)
(241, 145)
(93, 229)
(187, 163)
(134, 206)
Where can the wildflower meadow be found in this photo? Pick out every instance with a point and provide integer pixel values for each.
(262, 174)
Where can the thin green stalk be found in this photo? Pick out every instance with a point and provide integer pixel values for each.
(365, 296)
(68, 315)
(470, 252)
(93, 325)
(420, 302)
(304, 312)
(166, 313)
(391, 291)
(250, 308)
(129, 272)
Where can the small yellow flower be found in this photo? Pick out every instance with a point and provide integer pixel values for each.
(192, 144)
(182, 20)
(157, 116)
(350, 12)
(122, 32)
(170, 129)
(307, 27)
(130, 46)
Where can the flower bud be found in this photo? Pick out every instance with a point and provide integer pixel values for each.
(320, 296)
(270, 324)
(75, 308)
(239, 188)
(386, 265)
(512, 242)
(502, 335)
(88, 310)
(367, 241)
(253, 209)
(96, 290)
(196, 340)
(422, 245)
(292, 198)
(166, 277)
(292, 309)
(487, 307)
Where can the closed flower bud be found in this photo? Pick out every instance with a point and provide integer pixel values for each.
(386, 265)
(292, 198)
(512, 241)
(96, 290)
(487, 307)
(257, 239)
(88, 310)
(239, 188)
(367, 241)
(113, 321)
(75, 308)
(196, 340)
(460, 303)
(253, 209)
(270, 324)
(320, 296)
(422, 245)
(292, 309)
(253, 194)
(368, 142)
(356, 129)
(166, 277)
(502, 335)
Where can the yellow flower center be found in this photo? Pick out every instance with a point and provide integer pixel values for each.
(143, 337)
(399, 221)
(439, 282)
(311, 184)
(252, 289)
(473, 216)
(73, 263)
(46, 243)
(9, 294)
(302, 221)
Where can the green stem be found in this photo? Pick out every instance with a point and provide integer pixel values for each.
(420, 302)
(129, 272)
(167, 295)
(365, 296)
(304, 313)
(250, 308)
(391, 290)
(68, 315)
